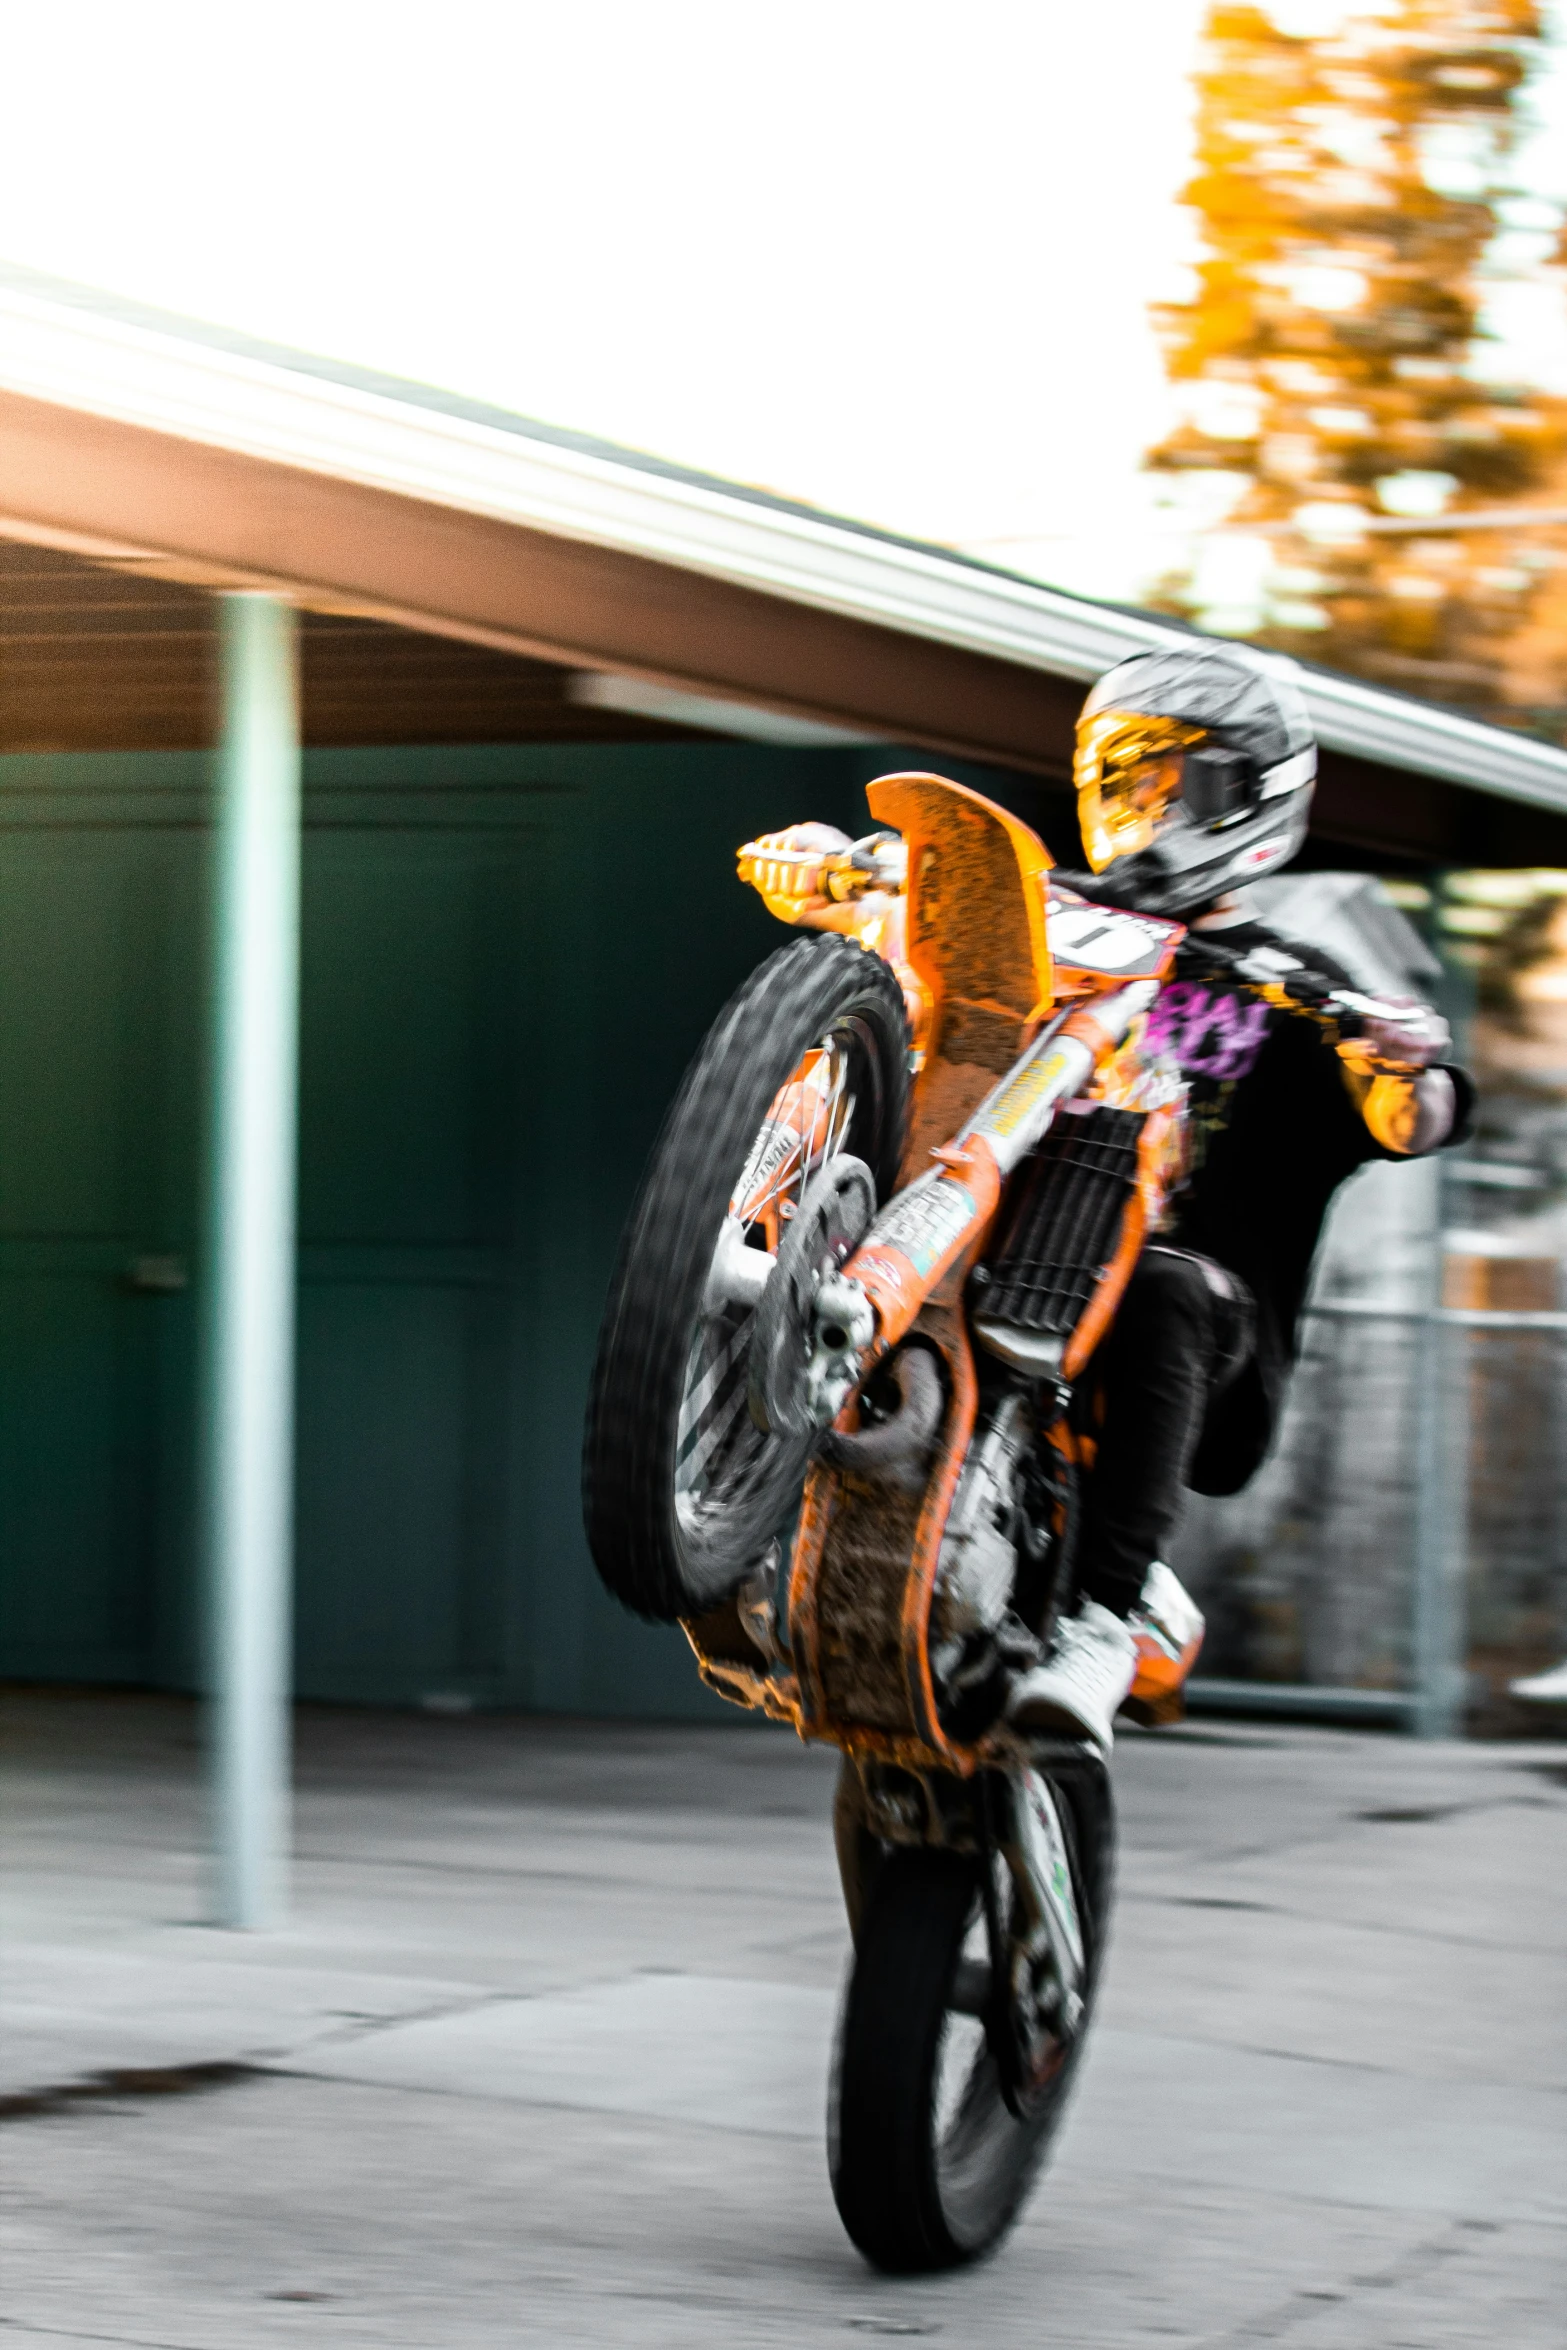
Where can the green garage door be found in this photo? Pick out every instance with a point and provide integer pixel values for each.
(98, 1026)
(413, 1306)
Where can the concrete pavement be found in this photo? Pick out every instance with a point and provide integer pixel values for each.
(542, 2057)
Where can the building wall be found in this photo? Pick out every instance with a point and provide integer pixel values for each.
(1307, 1574)
(509, 954)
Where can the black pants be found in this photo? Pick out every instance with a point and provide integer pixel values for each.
(1184, 1330)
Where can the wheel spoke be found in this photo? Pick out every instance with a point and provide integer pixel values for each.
(721, 1426)
(689, 1441)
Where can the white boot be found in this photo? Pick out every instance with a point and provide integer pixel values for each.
(1091, 1666)
(1167, 1626)
(1549, 1688)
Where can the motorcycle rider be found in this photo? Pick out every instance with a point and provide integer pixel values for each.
(1194, 770)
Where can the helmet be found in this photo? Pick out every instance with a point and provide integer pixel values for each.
(1194, 772)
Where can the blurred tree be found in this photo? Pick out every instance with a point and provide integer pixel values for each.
(1349, 190)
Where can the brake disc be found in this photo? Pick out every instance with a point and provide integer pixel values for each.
(833, 1217)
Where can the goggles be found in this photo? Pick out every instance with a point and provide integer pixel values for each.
(1128, 770)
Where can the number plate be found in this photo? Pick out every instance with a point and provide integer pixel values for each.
(1109, 942)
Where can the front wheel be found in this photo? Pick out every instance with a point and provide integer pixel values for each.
(806, 1066)
(945, 2100)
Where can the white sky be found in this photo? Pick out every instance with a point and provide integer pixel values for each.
(893, 256)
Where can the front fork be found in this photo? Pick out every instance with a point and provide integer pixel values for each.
(1049, 1926)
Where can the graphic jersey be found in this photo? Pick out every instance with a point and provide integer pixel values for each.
(1272, 1133)
(1215, 1032)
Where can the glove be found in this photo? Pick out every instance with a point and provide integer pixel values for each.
(790, 868)
(1396, 1033)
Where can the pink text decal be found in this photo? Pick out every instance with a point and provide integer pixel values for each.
(1211, 1032)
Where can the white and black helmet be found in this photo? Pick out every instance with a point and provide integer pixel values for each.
(1194, 773)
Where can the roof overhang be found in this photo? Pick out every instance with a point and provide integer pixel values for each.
(150, 442)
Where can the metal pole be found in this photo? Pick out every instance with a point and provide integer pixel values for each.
(1441, 1508)
(250, 1386)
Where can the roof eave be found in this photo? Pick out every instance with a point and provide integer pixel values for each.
(128, 371)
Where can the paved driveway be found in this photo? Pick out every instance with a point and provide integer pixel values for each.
(542, 2057)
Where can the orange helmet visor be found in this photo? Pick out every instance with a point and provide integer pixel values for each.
(1128, 771)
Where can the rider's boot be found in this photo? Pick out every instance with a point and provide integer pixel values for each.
(1549, 1688)
(1098, 1664)
(1081, 1684)
(1168, 1626)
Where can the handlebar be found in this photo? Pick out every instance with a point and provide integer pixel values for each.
(801, 865)
(1277, 977)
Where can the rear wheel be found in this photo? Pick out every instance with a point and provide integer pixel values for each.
(682, 1490)
(945, 2101)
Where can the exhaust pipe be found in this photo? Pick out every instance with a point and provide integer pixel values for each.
(897, 1450)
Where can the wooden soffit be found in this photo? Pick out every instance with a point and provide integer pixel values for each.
(217, 518)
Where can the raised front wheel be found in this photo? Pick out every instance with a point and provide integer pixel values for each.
(682, 1488)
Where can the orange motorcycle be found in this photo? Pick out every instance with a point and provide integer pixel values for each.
(838, 1423)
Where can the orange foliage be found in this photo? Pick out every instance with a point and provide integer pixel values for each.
(1348, 192)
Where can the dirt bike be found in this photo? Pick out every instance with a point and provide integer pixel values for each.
(838, 1425)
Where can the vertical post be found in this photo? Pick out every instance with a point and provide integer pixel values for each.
(250, 1349)
(1441, 1509)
